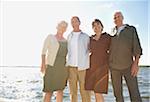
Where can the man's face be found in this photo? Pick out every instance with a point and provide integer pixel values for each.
(75, 22)
(118, 18)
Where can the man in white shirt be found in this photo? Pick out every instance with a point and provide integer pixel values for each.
(78, 61)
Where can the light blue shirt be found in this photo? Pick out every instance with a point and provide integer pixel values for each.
(120, 29)
(83, 51)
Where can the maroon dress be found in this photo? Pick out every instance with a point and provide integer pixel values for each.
(97, 75)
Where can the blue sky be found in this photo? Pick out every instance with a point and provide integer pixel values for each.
(25, 24)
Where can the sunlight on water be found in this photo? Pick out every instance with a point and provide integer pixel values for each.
(25, 85)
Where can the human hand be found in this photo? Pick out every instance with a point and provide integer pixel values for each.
(43, 68)
(134, 69)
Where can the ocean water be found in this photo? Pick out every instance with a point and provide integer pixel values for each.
(21, 84)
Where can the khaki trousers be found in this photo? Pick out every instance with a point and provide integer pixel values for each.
(76, 76)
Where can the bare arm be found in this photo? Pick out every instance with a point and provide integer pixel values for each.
(43, 64)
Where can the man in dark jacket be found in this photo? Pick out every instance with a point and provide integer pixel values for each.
(125, 51)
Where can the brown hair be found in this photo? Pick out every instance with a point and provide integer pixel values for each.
(97, 21)
(77, 18)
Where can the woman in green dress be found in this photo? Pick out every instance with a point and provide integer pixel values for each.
(53, 63)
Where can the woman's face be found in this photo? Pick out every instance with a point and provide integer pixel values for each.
(61, 27)
(97, 27)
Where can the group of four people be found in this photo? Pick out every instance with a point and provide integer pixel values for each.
(89, 60)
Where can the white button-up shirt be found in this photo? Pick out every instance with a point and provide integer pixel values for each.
(74, 49)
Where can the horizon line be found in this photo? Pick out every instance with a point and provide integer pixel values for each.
(39, 66)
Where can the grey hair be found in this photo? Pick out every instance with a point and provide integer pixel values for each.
(119, 12)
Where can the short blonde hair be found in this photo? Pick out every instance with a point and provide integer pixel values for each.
(63, 23)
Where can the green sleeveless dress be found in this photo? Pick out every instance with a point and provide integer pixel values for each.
(56, 76)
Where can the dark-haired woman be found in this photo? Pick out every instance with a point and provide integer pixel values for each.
(97, 75)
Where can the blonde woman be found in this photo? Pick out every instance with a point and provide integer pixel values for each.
(53, 63)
